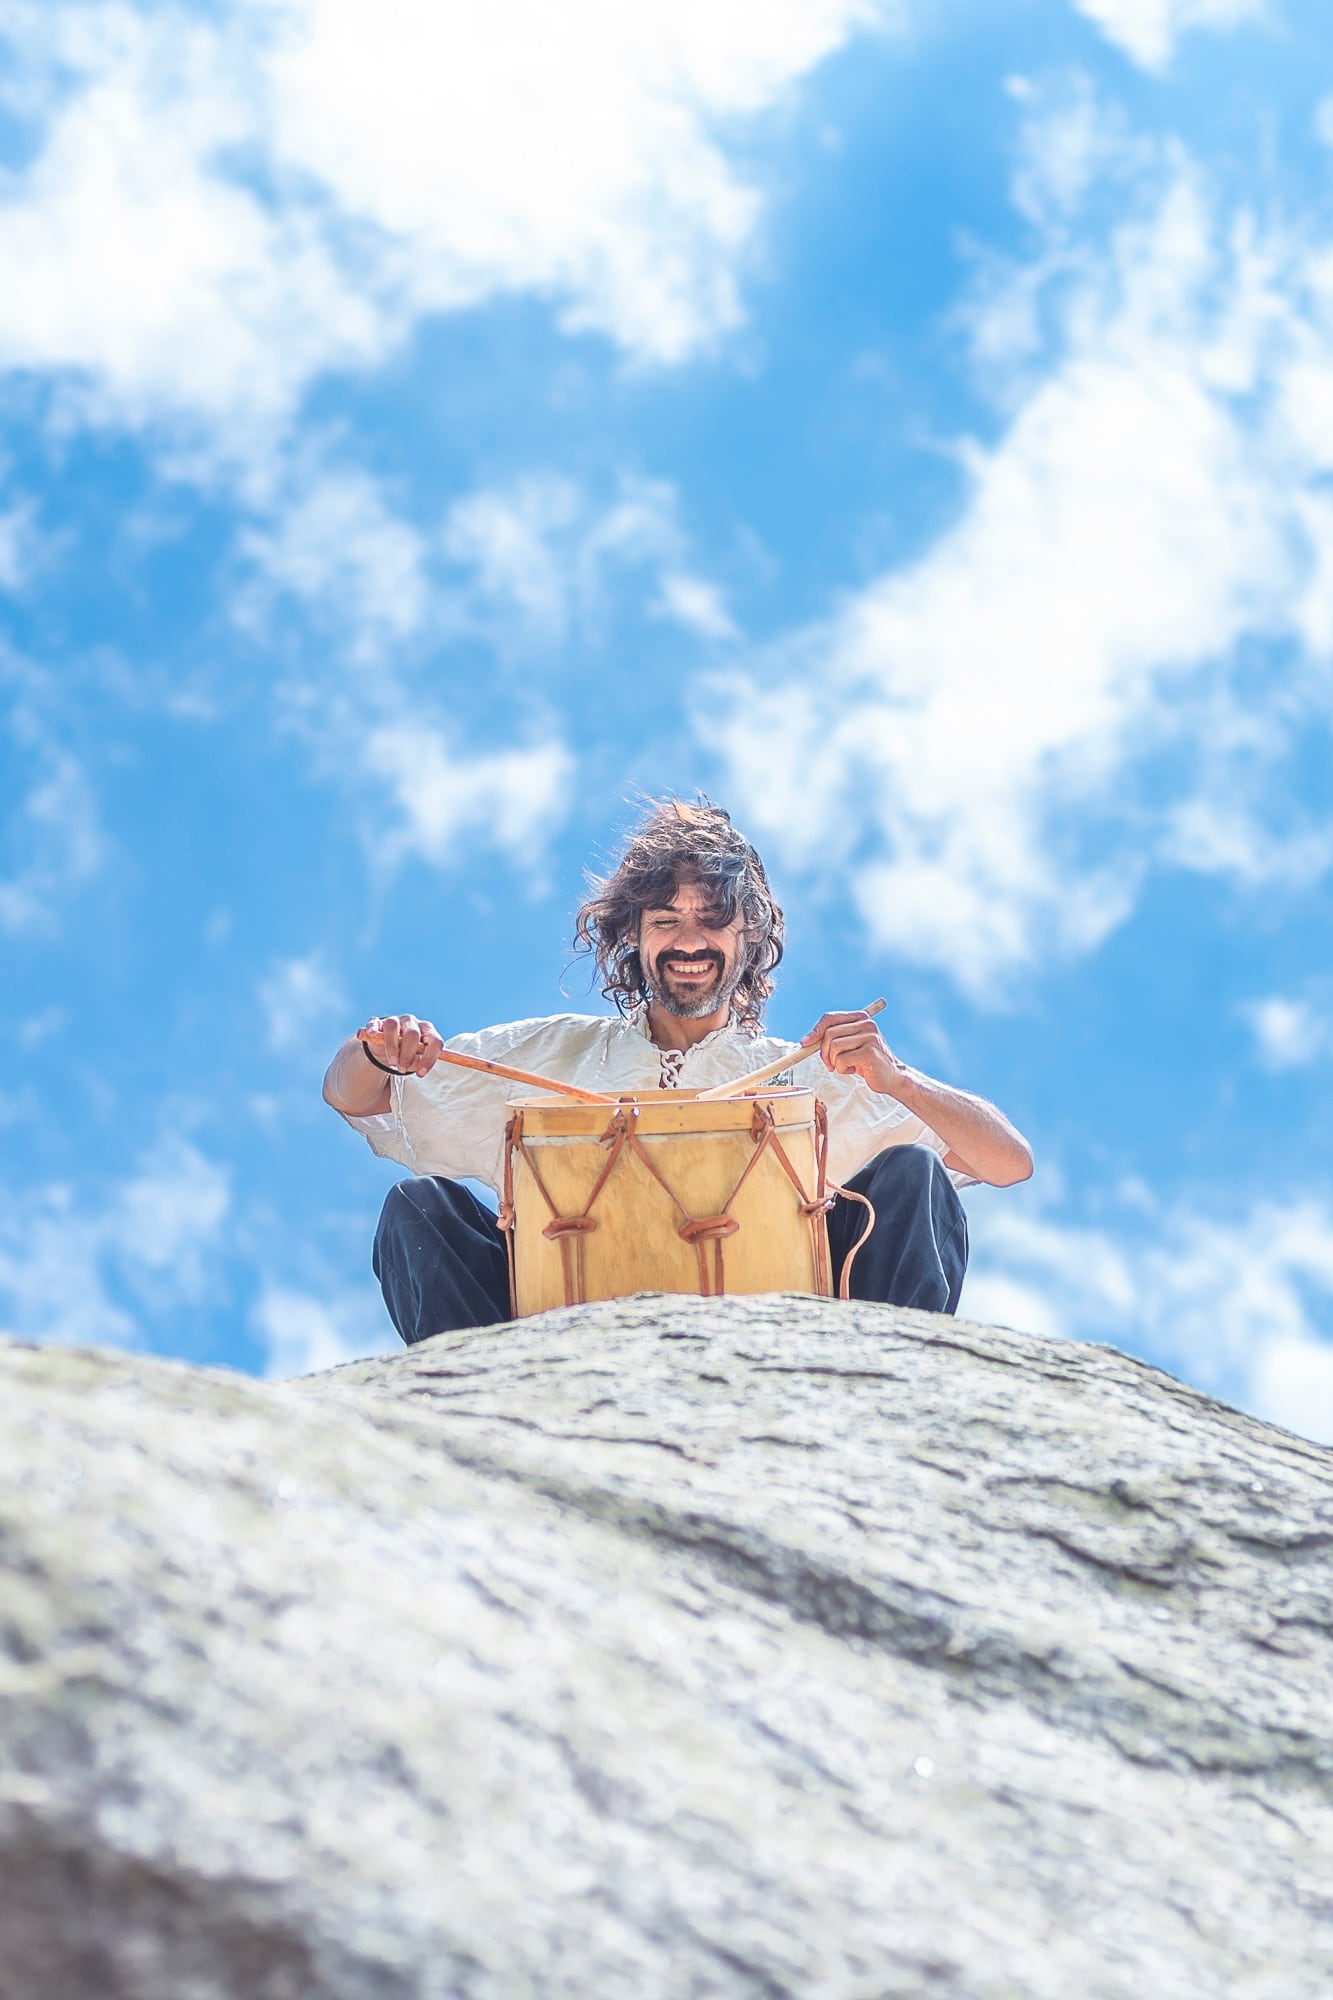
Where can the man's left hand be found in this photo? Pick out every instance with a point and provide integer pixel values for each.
(851, 1045)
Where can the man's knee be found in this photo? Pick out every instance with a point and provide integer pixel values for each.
(396, 1212)
(916, 1177)
(403, 1229)
(428, 1217)
(915, 1159)
(909, 1168)
(918, 1211)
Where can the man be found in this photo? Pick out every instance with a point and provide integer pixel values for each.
(686, 935)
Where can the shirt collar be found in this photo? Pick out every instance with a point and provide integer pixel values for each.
(638, 1023)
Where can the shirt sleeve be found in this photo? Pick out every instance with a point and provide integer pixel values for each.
(452, 1121)
(863, 1123)
(384, 1135)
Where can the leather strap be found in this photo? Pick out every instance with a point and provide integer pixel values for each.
(850, 1194)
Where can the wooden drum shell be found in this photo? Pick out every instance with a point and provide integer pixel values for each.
(756, 1231)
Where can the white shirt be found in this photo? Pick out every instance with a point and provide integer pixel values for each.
(452, 1120)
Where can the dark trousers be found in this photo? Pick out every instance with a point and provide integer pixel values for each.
(441, 1260)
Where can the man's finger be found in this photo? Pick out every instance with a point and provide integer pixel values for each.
(827, 1021)
(854, 1033)
(841, 1055)
(822, 1026)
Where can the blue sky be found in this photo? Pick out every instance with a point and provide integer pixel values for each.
(911, 424)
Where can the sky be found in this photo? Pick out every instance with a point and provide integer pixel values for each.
(424, 430)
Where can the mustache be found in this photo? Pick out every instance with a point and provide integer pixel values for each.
(668, 956)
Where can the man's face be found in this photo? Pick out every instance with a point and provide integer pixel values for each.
(691, 963)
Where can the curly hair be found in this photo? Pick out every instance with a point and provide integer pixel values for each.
(676, 844)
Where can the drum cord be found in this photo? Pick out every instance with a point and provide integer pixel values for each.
(850, 1194)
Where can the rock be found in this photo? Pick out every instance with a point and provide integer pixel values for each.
(671, 1647)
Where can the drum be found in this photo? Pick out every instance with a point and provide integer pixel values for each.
(663, 1193)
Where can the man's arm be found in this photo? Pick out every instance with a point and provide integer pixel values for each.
(353, 1085)
(981, 1141)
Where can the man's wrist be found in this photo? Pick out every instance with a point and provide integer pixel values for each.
(902, 1081)
(387, 1068)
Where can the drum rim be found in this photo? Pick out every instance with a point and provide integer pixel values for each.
(664, 1114)
(783, 1092)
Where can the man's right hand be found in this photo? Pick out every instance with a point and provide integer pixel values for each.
(404, 1042)
(354, 1085)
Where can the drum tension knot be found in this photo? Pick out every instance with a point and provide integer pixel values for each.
(707, 1228)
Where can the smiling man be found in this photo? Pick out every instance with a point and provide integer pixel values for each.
(686, 935)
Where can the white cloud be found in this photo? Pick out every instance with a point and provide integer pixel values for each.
(967, 737)
(162, 285)
(300, 996)
(1148, 30)
(40, 1027)
(53, 1286)
(1289, 1033)
(304, 1333)
(163, 1224)
(18, 544)
(334, 543)
(449, 802)
(84, 1271)
(543, 556)
(1217, 834)
(53, 834)
(1239, 1304)
(515, 542)
(504, 149)
(1078, 1280)
(218, 210)
(519, 568)
(1068, 139)
(519, 565)
(695, 603)
(1292, 1385)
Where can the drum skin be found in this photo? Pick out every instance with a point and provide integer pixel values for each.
(755, 1231)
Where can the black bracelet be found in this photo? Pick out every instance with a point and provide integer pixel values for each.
(388, 1068)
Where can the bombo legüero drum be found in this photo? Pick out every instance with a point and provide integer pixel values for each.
(662, 1193)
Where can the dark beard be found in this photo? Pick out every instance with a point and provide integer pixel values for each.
(683, 1007)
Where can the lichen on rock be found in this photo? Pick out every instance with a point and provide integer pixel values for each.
(670, 1647)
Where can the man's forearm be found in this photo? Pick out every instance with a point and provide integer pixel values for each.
(354, 1085)
(976, 1132)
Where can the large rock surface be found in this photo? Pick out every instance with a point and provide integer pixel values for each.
(668, 1648)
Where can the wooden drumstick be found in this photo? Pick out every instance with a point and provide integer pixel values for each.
(502, 1069)
(741, 1084)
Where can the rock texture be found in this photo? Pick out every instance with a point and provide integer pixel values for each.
(669, 1648)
